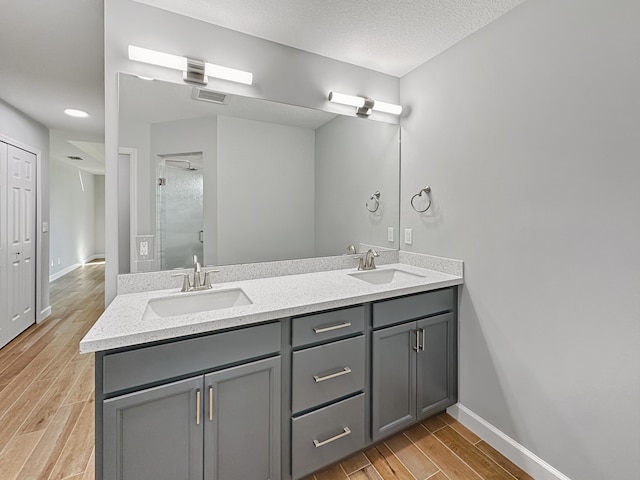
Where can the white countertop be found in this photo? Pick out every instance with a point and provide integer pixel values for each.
(122, 323)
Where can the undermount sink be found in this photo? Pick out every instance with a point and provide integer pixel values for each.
(387, 275)
(195, 302)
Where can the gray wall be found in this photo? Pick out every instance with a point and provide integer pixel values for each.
(280, 73)
(19, 127)
(264, 167)
(528, 133)
(354, 158)
(72, 227)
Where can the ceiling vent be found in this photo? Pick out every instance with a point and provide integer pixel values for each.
(74, 157)
(209, 96)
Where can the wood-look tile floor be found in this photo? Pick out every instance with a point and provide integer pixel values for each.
(46, 386)
(47, 423)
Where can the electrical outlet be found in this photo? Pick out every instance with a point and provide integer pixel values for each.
(390, 234)
(144, 248)
(408, 236)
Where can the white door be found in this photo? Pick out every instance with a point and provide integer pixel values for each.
(20, 235)
(5, 335)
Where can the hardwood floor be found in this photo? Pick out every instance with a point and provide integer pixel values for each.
(46, 409)
(46, 386)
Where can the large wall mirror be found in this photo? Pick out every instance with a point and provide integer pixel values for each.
(239, 180)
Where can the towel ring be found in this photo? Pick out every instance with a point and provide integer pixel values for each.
(376, 198)
(426, 190)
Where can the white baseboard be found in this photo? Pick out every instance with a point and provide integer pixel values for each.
(523, 458)
(63, 272)
(44, 314)
(71, 268)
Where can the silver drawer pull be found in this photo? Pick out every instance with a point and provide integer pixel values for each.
(346, 431)
(332, 327)
(344, 371)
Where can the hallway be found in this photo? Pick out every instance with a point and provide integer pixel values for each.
(46, 386)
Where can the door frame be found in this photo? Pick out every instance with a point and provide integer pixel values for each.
(133, 203)
(40, 228)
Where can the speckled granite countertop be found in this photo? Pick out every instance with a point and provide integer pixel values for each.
(122, 324)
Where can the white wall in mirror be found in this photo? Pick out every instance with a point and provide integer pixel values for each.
(281, 182)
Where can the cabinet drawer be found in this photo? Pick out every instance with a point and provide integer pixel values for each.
(398, 310)
(151, 364)
(326, 435)
(327, 325)
(326, 372)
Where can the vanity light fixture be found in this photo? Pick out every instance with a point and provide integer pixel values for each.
(195, 70)
(364, 105)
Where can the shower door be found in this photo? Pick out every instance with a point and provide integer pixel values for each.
(179, 210)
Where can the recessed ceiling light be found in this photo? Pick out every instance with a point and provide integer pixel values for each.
(72, 112)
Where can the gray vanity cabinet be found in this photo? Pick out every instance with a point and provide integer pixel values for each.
(394, 379)
(153, 434)
(277, 400)
(225, 424)
(242, 422)
(436, 374)
(414, 363)
(207, 408)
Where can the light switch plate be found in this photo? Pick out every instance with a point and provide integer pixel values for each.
(408, 236)
(390, 234)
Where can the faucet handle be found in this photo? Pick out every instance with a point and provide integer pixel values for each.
(186, 284)
(207, 278)
(361, 262)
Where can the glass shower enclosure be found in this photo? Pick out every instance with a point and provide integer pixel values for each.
(179, 210)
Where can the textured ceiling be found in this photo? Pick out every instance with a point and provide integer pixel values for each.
(390, 36)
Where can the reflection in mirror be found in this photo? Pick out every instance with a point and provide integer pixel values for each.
(237, 180)
(179, 209)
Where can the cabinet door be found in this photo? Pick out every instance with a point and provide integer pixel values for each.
(242, 422)
(394, 379)
(436, 360)
(153, 434)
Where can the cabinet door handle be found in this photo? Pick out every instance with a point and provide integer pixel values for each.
(211, 404)
(332, 327)
(198, 407)
(345, 431)
(416, 347)
(423, 335)
(344, 371)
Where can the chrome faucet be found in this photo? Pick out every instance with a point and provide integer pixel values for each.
(196, 273)
(368, 261)
(197, 284)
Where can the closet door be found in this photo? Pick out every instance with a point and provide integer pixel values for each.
(5, 335)
(21, 222)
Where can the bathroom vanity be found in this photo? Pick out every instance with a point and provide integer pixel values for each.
(317, 367)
